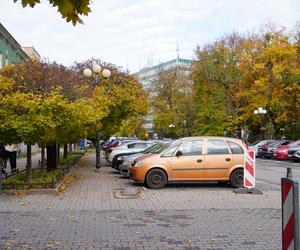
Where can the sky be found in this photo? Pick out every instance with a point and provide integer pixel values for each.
(133, 34)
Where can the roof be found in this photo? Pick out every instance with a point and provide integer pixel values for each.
(177, 60)
(12, 41)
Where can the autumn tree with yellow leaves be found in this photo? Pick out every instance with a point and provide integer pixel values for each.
(239, 73)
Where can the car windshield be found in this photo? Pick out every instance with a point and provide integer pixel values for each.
(255, 143)
(295, 144)
(151, 148)
(275, 143)
(261, 143)
(166, 146)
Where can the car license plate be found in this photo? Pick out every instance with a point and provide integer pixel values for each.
(275, 154)
(290, 155)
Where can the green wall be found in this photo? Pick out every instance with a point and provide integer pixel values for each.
(10, 53)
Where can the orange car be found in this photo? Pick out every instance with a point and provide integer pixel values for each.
(203, 158)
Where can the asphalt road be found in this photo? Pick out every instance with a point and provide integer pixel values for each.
(271, 171)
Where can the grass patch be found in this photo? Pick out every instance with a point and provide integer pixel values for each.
(72, 158)
(40, 180)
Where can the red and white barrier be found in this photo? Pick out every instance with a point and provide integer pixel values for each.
(249, 169)
(290, 217)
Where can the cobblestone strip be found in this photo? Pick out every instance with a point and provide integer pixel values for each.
(142, 229)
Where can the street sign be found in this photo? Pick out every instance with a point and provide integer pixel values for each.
(290, 214)
(249, 169)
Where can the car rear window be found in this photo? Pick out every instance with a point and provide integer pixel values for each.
(235, 148)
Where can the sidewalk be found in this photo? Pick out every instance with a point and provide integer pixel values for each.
(90, 216)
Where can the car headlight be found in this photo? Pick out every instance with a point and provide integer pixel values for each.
(127, 162)
(284, 151)
(119, 158)
(138, 164)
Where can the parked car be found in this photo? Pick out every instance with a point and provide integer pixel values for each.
(204, 158)
(254, 146)
(263, 146)
(132, 146)
(119, 158)
(127, 160)
(294, 151)
(267, 149)
(116, 144)
(281, 153)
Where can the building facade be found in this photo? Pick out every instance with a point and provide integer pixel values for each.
(32, 53)
(10, 50)
(147, 75)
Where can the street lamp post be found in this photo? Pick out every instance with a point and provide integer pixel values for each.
(260, 111)
(97, 74)
(172, 126)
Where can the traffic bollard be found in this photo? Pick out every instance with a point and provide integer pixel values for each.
(290, 212)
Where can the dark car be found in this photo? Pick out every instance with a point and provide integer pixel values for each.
(267, 149)
(262, 147)
(294, 151)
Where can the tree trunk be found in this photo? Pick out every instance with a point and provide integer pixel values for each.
(29, 165)
(65, 151)
(70, 147)
(227, 96)
(57, 154)
(270, 94)
(51, 157)
(43, 159)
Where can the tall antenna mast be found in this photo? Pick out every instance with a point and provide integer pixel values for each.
(177, 50)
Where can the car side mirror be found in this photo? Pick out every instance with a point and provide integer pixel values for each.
(178, 153)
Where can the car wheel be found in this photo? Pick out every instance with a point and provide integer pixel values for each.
(237, 178)
(156, 178)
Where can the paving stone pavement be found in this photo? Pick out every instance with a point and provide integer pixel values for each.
(90, 216)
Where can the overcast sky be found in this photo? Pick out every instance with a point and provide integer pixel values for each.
(136, 33)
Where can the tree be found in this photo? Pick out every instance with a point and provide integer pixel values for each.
(171, 102)
(124, 94)
(236, 74)
(71, 10)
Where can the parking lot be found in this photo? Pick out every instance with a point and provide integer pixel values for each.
(91, 214)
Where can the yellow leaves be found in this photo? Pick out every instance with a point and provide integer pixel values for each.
(259, 66)
(67, 181)
(18, 193)
(6, 85)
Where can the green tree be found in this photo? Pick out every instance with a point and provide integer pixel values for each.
(171, 102)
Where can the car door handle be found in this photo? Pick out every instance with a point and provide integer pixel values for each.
(228, 159)
(199, 160)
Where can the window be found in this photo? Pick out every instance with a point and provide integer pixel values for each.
(216, 147)
(1, 61)
(191, 148)
(137, 145)
(140, 145)
(235, 148)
